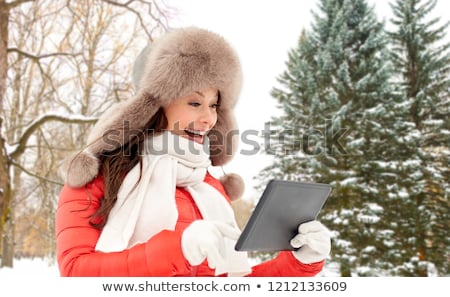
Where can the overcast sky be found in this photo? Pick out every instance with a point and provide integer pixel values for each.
(262, 32)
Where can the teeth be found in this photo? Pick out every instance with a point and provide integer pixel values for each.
(200, 133)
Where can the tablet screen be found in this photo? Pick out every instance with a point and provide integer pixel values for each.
(283, 206)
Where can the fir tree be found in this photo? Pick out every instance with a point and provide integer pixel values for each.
(336, 126)
(422, 63)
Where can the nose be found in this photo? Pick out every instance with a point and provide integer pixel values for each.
(208, 116)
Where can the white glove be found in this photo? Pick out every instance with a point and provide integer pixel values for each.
(313, 241)
(205, 240)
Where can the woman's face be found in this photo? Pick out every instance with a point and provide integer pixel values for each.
(192, 116)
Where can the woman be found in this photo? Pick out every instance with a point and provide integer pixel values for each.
(139, 201)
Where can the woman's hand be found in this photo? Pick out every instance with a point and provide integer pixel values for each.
(205, 240)
(313, 241)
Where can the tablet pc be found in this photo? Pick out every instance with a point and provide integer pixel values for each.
(283, 206)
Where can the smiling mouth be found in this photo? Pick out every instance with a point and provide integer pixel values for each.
(195, 135)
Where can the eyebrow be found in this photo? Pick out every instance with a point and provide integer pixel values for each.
(203, 95)
(200, 93)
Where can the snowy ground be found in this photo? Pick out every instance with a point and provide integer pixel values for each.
(41, 267)
(30, 267)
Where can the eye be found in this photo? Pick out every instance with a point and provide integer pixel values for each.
(215, 106)
(194, 104)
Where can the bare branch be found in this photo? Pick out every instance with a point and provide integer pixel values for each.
(34, 57)
(138, 15)
(20, 148)
(158, 20)
(35, 175)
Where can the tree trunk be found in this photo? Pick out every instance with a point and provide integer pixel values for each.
(5, 185)
(5, 195)
(422, 270)
(345, 268)
(8, 243)
(4, 18)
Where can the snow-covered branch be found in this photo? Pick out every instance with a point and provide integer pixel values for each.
(16, 3)
(38, 122)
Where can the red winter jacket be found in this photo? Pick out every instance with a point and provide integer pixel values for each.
(159, 256)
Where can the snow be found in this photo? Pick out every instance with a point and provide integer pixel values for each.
(368, 219)
(349, 181)
(10, 148)
(30, 267)
(43, 268)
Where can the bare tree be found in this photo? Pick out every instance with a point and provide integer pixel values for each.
(61, 64)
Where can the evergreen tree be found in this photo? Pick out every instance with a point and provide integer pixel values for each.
(338, 119)
(422, 63)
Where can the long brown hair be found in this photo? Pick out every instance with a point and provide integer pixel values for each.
(115, 165)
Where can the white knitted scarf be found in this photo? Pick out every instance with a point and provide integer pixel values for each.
(146, 205)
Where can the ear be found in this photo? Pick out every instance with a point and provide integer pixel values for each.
(234, 185)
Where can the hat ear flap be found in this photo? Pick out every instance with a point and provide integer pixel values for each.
(116, 127)
(79, 169)
(223, 138)
(121, 123)
(234, 185)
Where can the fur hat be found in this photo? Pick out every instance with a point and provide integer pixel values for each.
(182, 61)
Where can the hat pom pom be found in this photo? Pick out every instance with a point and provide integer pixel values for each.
(234, 185)
(80, 169)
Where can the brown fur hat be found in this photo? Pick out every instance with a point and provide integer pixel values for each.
(182, 61)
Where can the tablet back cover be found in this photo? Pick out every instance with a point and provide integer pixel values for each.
(283, 206)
